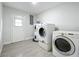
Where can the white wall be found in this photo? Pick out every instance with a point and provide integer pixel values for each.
(65, 17)
(8, 26)
(0, 28)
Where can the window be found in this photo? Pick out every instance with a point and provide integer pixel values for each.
(18, 22)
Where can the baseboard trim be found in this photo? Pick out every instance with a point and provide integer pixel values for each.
(17, 41)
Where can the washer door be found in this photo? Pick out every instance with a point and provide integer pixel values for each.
(42, 32)
(35, 26)
(64, 45)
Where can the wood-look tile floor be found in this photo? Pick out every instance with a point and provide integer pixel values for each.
(26, 48)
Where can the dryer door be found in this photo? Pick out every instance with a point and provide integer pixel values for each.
(64, 45)
(42, 32)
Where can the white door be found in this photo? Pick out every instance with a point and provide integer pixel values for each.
(18, 29)
(0, 28)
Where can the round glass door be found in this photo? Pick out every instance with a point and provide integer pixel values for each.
(42, 32)
(64, 45)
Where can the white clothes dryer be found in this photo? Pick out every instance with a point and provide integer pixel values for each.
(45, 36)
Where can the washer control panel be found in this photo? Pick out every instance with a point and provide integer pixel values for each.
(66, 34)
(70, 34)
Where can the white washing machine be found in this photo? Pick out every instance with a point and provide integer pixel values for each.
(36, 26)
(45, 36)
(65, 44)
(35, 37)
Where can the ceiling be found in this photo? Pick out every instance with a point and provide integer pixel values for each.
(32, 9)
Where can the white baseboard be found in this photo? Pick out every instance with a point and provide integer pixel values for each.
(27, 38)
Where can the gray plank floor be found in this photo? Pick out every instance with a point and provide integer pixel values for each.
(26, 48)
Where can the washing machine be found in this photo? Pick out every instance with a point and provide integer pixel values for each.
(45, 36)
(65, 43)
(35, 37)
(36, 26)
